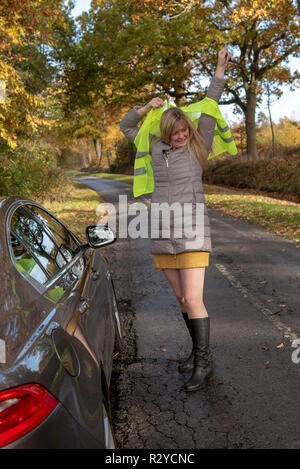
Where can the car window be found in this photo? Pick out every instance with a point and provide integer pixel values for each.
(28, 266)
(58, 232)
(26, 263)
(68, 245)
(39, 252)
(36, 241)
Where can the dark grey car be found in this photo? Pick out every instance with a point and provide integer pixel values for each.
(58, 328)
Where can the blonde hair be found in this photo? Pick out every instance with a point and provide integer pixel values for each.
(174, 116)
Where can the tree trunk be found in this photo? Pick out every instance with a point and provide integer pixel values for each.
(89, 155)
(179, 93)
(243, 137)
(270, 117)
(82, 151)
(108, 159)
(250, 125)
(98, 150)
(180, 98)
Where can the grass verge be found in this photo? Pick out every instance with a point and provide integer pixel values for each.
(76, 207)
(280, 216)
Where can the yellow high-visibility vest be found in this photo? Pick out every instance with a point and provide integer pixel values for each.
(143, 182)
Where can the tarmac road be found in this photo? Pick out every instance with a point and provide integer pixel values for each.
(252, 294)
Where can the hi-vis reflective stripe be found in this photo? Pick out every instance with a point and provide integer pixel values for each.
(227, 140)
(222, 130)
(139, 171)
(139, 154)
(143, 182)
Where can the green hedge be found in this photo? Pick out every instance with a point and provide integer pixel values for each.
(29, 173)
(278, 175)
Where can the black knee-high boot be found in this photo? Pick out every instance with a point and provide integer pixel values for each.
(200, 329)
(188, 364)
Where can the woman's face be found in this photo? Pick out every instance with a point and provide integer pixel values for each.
(180, 135)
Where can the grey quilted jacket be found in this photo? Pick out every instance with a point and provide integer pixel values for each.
(179, 220)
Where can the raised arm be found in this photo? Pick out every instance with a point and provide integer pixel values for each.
(128, 124)
(207, 123)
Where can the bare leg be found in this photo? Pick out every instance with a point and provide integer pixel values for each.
(192, 282)
(173, 277)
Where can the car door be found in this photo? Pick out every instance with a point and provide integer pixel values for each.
(93, 316)
(48, 257)
(97, 319)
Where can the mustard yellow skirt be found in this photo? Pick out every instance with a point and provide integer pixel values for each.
(184, 260)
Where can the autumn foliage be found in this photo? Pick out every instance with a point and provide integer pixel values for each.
(29, 31)
(68, 86)
(26, 27)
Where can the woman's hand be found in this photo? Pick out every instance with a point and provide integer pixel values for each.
(223, 58)
(153, 104)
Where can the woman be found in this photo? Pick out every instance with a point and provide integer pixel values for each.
(178, 158)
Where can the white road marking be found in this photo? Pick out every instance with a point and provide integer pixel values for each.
(288, 333)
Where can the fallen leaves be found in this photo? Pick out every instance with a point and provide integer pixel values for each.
(266, 347)
(279, 216)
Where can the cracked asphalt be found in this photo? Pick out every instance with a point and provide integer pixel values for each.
(252, 294)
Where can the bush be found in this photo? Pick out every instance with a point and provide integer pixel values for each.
(280, 175)
(29, 173)
(125, 155)
(69, 159)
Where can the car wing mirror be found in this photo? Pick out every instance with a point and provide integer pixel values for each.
(98, 235)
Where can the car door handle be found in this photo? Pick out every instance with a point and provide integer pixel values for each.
(95, 275)
(83, 307)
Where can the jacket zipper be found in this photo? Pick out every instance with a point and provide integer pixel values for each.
(167, 159)
(166, 156)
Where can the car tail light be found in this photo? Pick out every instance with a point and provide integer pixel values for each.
(23, 408)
